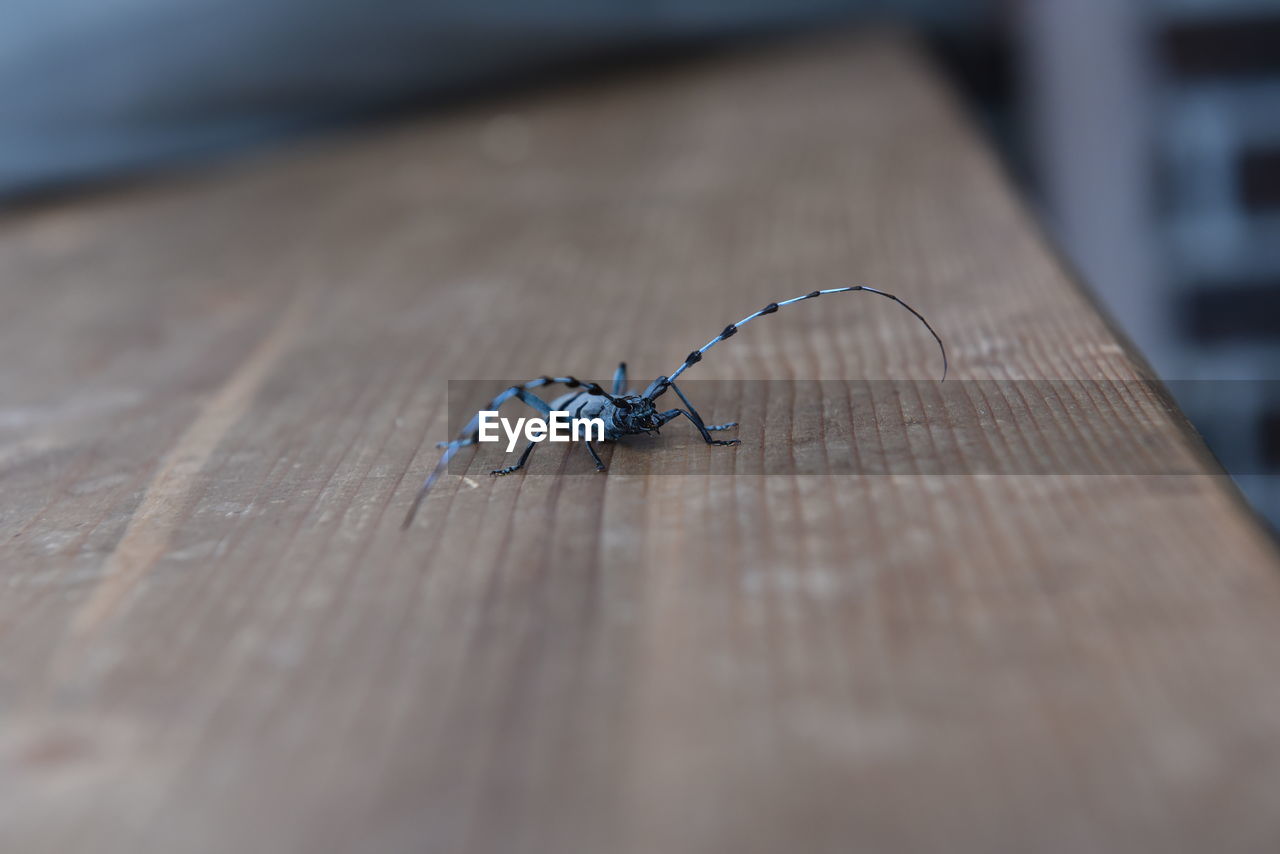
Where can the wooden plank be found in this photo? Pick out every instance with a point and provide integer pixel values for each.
(220, 394)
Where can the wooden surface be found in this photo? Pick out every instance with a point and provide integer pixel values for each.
(219, 395)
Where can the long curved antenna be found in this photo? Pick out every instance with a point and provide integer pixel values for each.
(467, 436)
(730, 330)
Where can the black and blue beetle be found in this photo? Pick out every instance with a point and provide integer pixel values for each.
(627, 413)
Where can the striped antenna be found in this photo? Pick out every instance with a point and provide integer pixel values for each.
(732, 329)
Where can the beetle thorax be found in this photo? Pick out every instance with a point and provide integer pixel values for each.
(624, 415)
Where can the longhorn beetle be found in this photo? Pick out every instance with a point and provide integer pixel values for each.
(627, 413)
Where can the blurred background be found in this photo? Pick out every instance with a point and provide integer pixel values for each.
(1146, 132)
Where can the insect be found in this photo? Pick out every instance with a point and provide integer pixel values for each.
(628, 413)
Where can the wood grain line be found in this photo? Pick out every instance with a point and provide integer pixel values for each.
(147, 536)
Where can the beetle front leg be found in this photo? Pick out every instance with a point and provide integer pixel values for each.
(702, 428)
